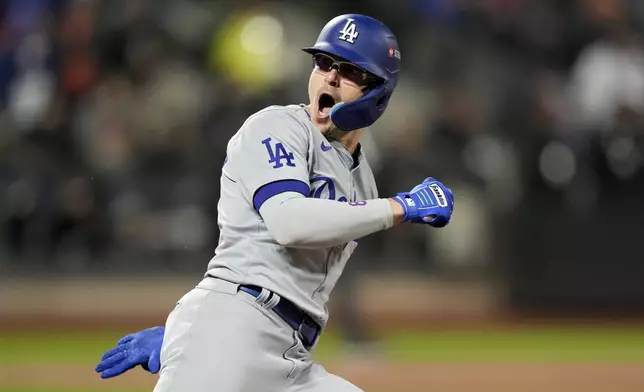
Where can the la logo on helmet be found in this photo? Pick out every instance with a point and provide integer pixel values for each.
(348, 32)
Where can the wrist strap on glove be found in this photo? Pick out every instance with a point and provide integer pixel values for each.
(406, 200)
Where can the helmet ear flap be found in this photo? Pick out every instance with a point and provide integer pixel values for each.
(362, 112)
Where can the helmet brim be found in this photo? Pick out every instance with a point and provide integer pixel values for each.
(350, 56)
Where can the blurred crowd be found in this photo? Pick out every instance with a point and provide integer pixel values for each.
(114, 119)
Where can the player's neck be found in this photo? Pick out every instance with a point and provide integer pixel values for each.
(349, 139)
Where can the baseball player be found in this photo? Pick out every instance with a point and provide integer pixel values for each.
(296, 196)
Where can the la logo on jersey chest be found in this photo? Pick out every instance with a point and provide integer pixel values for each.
(349, 32)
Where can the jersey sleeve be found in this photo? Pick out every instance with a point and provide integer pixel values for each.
(268, 156)
(335, 223)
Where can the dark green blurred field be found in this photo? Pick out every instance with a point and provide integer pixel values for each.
(527, 344)
(601, 345)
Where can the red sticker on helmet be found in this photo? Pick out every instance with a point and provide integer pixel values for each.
(394, 53)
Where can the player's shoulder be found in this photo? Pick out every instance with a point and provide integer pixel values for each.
(292, 117)
(285, 123)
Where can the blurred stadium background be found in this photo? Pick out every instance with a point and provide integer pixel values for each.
(114, 118)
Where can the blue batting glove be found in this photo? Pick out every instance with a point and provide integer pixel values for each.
(140, 348)
(431, 203)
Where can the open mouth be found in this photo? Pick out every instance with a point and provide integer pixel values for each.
(325, 103)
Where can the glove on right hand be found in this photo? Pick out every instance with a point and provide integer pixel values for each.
(430, 203)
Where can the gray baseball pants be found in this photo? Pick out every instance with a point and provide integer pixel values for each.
(220, 339)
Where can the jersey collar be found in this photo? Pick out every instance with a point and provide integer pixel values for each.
(346, 156)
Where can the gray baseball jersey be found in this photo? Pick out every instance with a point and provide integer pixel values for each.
(279, 151)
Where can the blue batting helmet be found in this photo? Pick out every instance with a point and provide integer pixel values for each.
(370, 45)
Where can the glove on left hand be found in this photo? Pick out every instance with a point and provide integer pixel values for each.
(140, 348)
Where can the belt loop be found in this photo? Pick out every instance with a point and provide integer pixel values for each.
(272, 301)
(263, 297)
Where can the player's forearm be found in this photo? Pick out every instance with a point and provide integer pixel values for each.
(299, 222)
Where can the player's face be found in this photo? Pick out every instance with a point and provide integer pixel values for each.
(333, 81)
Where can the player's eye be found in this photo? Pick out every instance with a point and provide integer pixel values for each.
(346, 70)
(323, 62)
(353, 74)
